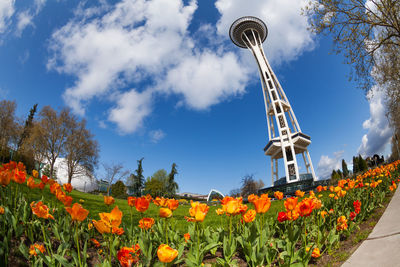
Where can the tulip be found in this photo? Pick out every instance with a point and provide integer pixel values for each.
(299, 193)
(165, 213)
(262, 204)
(357, 206)
(67, 187)
(131, 201)
(187, 237)
(1, 210)
(198, 211)
(316, 253)
(41, 210)
(278, 195)
(108, 221)
(166, 254)
(172, 204)
(32, 249)
(95, 242)
(109, 200)
(249, 216)
(35, 173)
(341, 223)
(305, 207)
(146, 223)
(290, 203)
(282, 216)
(142, 204)
(77, 212)
(128, 255)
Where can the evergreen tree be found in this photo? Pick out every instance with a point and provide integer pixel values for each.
(28, 126)
(339, 174)
(362, 164)
(344, 168)
(172, 186)
(355, 165)
(137, 179)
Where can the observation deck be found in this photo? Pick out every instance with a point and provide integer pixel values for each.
(300, 142)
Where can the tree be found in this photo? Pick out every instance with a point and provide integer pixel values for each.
(235, 192)
(137, 179)
(28, 126)
(51, 133)
(250, 186)
(359, 29)
(355, 165)
(368, 33)
(344, 168)
(114, 172)
(81, 150)
(156, 185)
(9, 128)
(46, 171)
(118, 190)
(362, 164)
(172, 186)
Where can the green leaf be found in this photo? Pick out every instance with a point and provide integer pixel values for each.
(62, 260)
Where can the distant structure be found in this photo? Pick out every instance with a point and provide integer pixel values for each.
(285, 137)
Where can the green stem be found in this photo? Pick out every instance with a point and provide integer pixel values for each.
(131, 223)
(109, 247)
(77, 244)
(198, 235)
(166, 230)
(47, 245)
(230, 229)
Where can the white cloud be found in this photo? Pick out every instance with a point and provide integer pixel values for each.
(156, 135)
(327, 164)
(132, 107)
(24, 20)
(6, 11)
(136, 42)
(287, 37)
(379, 132)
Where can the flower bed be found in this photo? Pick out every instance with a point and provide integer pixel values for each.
(45, 232)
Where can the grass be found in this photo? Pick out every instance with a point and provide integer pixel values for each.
(95, 205)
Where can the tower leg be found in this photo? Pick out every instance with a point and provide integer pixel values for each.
(311, 166)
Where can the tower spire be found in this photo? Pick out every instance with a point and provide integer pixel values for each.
(285, 137)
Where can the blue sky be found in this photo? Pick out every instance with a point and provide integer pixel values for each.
(160, 79)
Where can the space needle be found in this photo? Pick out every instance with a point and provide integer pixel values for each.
(285, 137)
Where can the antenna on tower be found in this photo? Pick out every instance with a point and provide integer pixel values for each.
(285, 137)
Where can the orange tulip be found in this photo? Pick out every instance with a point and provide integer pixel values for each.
(278, 195)
(249, 216)
(146, 223)
(19, 176)
(128, 255)
(319, 188)
(77, 212)
(35, 173)
(95, 242)
(166, 254)
(187, 237)
(165, 213)
(54, 187)
(292, 215)
(108, 220)
(172, 204)
(131, 201)
(41, 185)
(31, 183)
(45, 179)
(198, 211)
(299, 193)
(109, 200)
(117, 230)
(67, 187)
(219, 211)
(41, 210)
(142, 204)
(305, 207)
(323, 213)
(341, 223)
(316, 253)
(5, 177)
(262, 204)
(161, 202)
(1, 210)
(290, 203)
(253, 197)
(32, 249)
